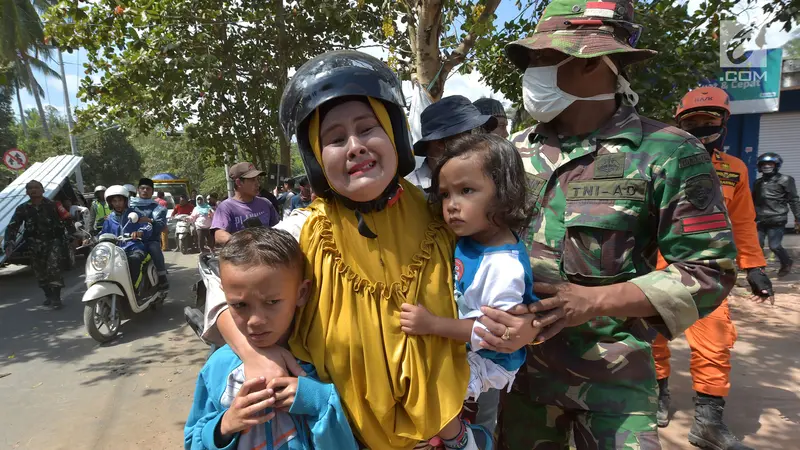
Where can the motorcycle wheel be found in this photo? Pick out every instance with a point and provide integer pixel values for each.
(184, 244)
(97, 315)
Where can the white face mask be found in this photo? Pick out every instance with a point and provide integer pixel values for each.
(544, 100)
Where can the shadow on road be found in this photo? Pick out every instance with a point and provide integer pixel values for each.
(763, 406)
(29, 331)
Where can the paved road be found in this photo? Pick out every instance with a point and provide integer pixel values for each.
(61, 390)
(64, 391)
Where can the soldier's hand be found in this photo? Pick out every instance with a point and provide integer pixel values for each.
(136, 235)
(760, 285)
(561, 305)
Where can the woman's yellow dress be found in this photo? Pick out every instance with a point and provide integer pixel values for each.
(396, 389)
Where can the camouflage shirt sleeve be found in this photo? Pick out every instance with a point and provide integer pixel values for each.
(695, 238)
(13, 226)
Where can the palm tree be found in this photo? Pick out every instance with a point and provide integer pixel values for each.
(22, 42)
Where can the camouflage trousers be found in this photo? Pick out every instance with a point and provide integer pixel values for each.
(47, 255)
(524, 425)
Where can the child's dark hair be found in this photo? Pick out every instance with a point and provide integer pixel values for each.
(502, 163)
(262, 246)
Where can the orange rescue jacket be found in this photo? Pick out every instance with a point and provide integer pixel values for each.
(735, 181)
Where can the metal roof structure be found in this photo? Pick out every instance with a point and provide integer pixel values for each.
(52, 173)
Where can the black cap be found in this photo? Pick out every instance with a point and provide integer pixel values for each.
(146, 182)
(448, 117)
(490, 106)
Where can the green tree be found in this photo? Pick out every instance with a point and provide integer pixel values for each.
(685, 41)
(221, 67)
(172, 154)
(22, 41)
(214, 180)
(108, 158)
(791, 49)
(8, 139)
(434, 36)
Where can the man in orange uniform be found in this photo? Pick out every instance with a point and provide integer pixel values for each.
(704, 112)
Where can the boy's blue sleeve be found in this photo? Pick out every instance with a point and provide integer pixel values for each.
(204, 418)
(320, 404)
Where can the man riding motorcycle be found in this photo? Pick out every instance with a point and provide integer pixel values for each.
(98, 210)
(118, 224)
(704, 112)
(151, 212)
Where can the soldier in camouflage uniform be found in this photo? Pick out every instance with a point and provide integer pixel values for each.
(611, 188)
(44, 234)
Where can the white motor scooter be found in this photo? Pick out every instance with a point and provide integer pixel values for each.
(111, 295)
(184, 231)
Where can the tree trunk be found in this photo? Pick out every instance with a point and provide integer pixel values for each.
(430, 67)
(21, 112)
(35, 90)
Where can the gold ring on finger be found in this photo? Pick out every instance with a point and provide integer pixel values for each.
(507, 334)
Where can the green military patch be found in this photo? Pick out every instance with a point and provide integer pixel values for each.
(535, 186)
(700, 190)
(728, 178)
(607, 190)
(610, 166)
(699, 158)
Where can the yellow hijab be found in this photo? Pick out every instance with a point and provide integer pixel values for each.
(396, 389)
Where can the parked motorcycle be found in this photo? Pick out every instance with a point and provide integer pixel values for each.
(184, 233)
(208, 266)
(111, 295)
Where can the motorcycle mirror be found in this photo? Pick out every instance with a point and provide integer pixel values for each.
(133, 217)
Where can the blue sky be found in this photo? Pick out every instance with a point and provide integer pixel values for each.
(469, 85)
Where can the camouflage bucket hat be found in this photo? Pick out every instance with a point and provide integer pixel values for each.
(583, 29)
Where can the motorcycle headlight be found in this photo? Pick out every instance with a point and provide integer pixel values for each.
(100, 257)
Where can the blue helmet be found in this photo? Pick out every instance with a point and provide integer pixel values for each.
(771, 157)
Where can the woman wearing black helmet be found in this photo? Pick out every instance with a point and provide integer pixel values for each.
(372, 244)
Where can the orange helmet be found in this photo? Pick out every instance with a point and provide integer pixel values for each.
(704, 100)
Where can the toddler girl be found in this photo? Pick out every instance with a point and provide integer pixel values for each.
(481, 184)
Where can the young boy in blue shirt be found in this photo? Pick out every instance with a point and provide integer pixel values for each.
(117, 223)
(261, 272)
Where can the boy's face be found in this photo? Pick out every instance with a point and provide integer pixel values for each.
(118, 203)
(263, 300)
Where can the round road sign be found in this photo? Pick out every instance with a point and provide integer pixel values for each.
(15, 159)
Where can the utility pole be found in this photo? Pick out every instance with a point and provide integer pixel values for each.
(227, 168)
(73, 143)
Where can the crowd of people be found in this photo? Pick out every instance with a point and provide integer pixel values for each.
(517, 292)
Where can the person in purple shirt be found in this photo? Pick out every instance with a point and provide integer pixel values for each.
(245, 204)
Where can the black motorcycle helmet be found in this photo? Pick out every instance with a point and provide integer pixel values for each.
(770, 157)
(334, 75)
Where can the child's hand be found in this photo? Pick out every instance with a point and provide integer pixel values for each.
(285, 389)
(416, 320)
(248, 407)
(136, 235)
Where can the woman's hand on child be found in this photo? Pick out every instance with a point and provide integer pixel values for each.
(285, 389)
(517, 320)
(272, 362)
(416, 320)
(247, 409)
